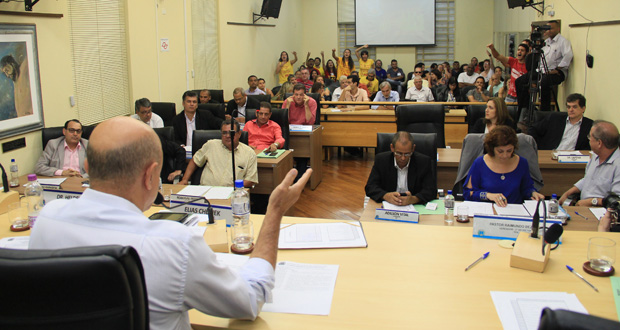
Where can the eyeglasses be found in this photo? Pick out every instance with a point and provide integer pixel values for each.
(73, 130)
(417, 71)
(400, 154)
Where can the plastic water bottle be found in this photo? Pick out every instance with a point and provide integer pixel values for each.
(14, 174)
(34, 196)
(554, 206)
(243, 229)
(448, 219)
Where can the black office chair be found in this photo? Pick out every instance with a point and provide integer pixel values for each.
(50, 133)
(261, 98)
(217, 109)
(474, 112)
(97, 287)
(422, 118)
(165, 132)
(567, 320)
(425, 143)
(280, 116)
(317, 98)
(217, 95)
(166, 110)
(199, 138)
(464, 91)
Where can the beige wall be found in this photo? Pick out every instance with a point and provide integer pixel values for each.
(474, 29)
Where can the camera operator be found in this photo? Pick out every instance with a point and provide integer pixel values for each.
(558, 54)
(608, 221)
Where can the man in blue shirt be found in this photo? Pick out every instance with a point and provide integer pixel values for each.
(386, 95)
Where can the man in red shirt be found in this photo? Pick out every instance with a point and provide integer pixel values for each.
(517, 67)
(301, 107)
(264, 134)
(305, 79)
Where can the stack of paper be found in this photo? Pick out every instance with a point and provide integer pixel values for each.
(51, 184)
(390, 206)
(322, 235)
(300, 128)
(517, 210)
(475, 208)
(208, 192)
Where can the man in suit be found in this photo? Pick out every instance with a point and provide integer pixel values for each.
(564, 131)
(190, 119)
(402, 176)
(64, 156)
(236, 108)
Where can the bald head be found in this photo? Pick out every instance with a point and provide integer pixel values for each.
(606, 132)
(120, 152)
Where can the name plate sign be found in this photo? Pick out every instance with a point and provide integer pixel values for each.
(50, 195)
(502, 227)
(400, 216)
(219, 212)
(573, 159)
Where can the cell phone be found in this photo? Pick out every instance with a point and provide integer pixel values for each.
(273, 153)
(173, 216)
(403, 194)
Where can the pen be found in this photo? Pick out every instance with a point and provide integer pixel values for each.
(577, 213)
(484, 256)
(581, 277)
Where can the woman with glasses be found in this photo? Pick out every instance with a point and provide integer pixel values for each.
(500, 176)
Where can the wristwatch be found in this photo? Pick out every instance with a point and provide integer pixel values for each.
(594, 201)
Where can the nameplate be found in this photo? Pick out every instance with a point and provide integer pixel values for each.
(573, 159)
(50, 187)
(182, 198)
(50, 195)
(400, 216)
(503, 227)
(220, 212)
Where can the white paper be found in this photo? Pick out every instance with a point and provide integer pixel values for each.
(52, 182)
(522, 310)
(303, 288)
(390, 206)
(567, 153)
(188, 149)
(17, 243)
(322, 235)
(512, 210)
(475, 208)
(598, 212)
(194, 191)
(233, 261)
(219, 193)
(300, 128)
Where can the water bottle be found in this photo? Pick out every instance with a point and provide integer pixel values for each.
(449, 205)
(554, 206)
(243, 229)
(14, 174)
(34, 195)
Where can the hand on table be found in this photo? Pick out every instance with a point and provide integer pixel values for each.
(71, 172)
(537, 196)
(499, 199)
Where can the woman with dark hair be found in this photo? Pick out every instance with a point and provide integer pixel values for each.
(345, 63)
(326, 93)
(285, 67)
(500, 176)
(433, 78)
(319, 87)
(365, 62)
(287, 87)
(495, 114)
(450, 92)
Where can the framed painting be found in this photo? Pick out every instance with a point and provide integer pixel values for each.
(20, 86)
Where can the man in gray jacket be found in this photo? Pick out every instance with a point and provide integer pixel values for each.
(64, 156)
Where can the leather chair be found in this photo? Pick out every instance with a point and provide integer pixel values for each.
(217, 95)
(317, 98)
(280, 116)
(97, 287)
(425, 143)
(49, 133)
(165, 132)
(474, 112)
(199, 138)
(166, 110)
(422, 118)
(261, 98)
(217, 109)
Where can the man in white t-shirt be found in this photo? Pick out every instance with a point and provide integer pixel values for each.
(146, 115)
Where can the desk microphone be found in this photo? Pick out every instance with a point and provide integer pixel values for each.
(5, 180)
(232, 150)
(159, 200)
(536, 219)
(553, 234)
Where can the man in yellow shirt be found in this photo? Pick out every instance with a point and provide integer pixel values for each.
(371, 82)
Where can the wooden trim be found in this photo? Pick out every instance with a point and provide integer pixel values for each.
(614, 22)
(28, 13)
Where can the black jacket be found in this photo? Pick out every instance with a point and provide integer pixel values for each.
(383, 177)
(231, 107)
(204, 120)
(548, 132)
(480, 126)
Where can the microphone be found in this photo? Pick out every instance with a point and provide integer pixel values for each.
(159, 200)
(5, 180)
(553, 233)
(536, 219)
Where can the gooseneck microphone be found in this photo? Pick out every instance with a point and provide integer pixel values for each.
(536, 219)
(553, 234)
(5, 179)
(159, 200)
(232, 150)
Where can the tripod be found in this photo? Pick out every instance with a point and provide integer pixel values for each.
(534, 61)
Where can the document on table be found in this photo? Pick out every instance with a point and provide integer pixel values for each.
(475, 208)
(390, 206)
(16, 243)
(598, 212)
(521, 310)
(512, 210)
(300, 128)
(219, 193)
(192, 190)
(303, 288)
(322, 235)
(51, 182)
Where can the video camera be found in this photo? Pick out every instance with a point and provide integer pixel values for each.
(537, 35)
(612, 203)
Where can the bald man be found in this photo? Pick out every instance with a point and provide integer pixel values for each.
(180, 270)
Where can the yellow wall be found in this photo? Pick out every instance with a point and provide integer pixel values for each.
(474, 29)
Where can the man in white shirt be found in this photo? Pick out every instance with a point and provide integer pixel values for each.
(558, 54)
(386, 94)
(181, 272)
(418, 92)
(338, 91)
(468, 77)
(145, 114)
